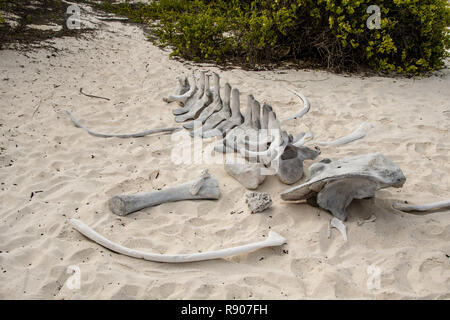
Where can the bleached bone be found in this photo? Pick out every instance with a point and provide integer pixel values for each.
(334, 184)
(273, 240)
(303, 111)
(338, 224)
(123, 136)
(199, 105)
(190, 103)
(248, 174)
(355, 135)
(214, 106)
(205, 187)
(229, 143)
(217, 117)
(302, 139)
(290, 167)
(195, 187)
(183, 85)
(182, 98)
(235, 120)
(422, 207)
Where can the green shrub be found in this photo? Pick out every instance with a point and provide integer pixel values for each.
(412, 39)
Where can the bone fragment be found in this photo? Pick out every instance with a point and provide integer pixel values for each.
(302, 112)
(205, 187)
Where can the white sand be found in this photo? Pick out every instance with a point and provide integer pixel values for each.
(78, 173)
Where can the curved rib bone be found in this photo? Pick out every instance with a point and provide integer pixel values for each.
(205, 187)
(273, 240)
(123, 136)
(301, 113)
(422, 207)
(198, 107)
(355, 135)
(214, 106)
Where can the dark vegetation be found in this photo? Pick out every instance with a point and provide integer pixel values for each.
(260, 34)
(332, 34)
(37, 12)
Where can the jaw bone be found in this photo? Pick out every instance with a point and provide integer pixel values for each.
(355, 135)
(214, 106)
(123, 136)
(302, 112)
(273, 240)
(199, 105)
(204, 187)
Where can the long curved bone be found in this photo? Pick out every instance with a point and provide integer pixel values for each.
(182, 98)
(302, 112)
(204, 187)
(123, 136)
(214, 106)
(198, 107)
(273, 240)
(355, 135)
(422, 207)
(235, 120)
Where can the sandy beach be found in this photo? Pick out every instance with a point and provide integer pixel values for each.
(51, 171)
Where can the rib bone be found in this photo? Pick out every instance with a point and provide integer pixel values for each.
(355, 135)
(273, 240)
(302, 112)
(422, 207)
(205, 187)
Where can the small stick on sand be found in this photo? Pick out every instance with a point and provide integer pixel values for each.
(92, 96)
